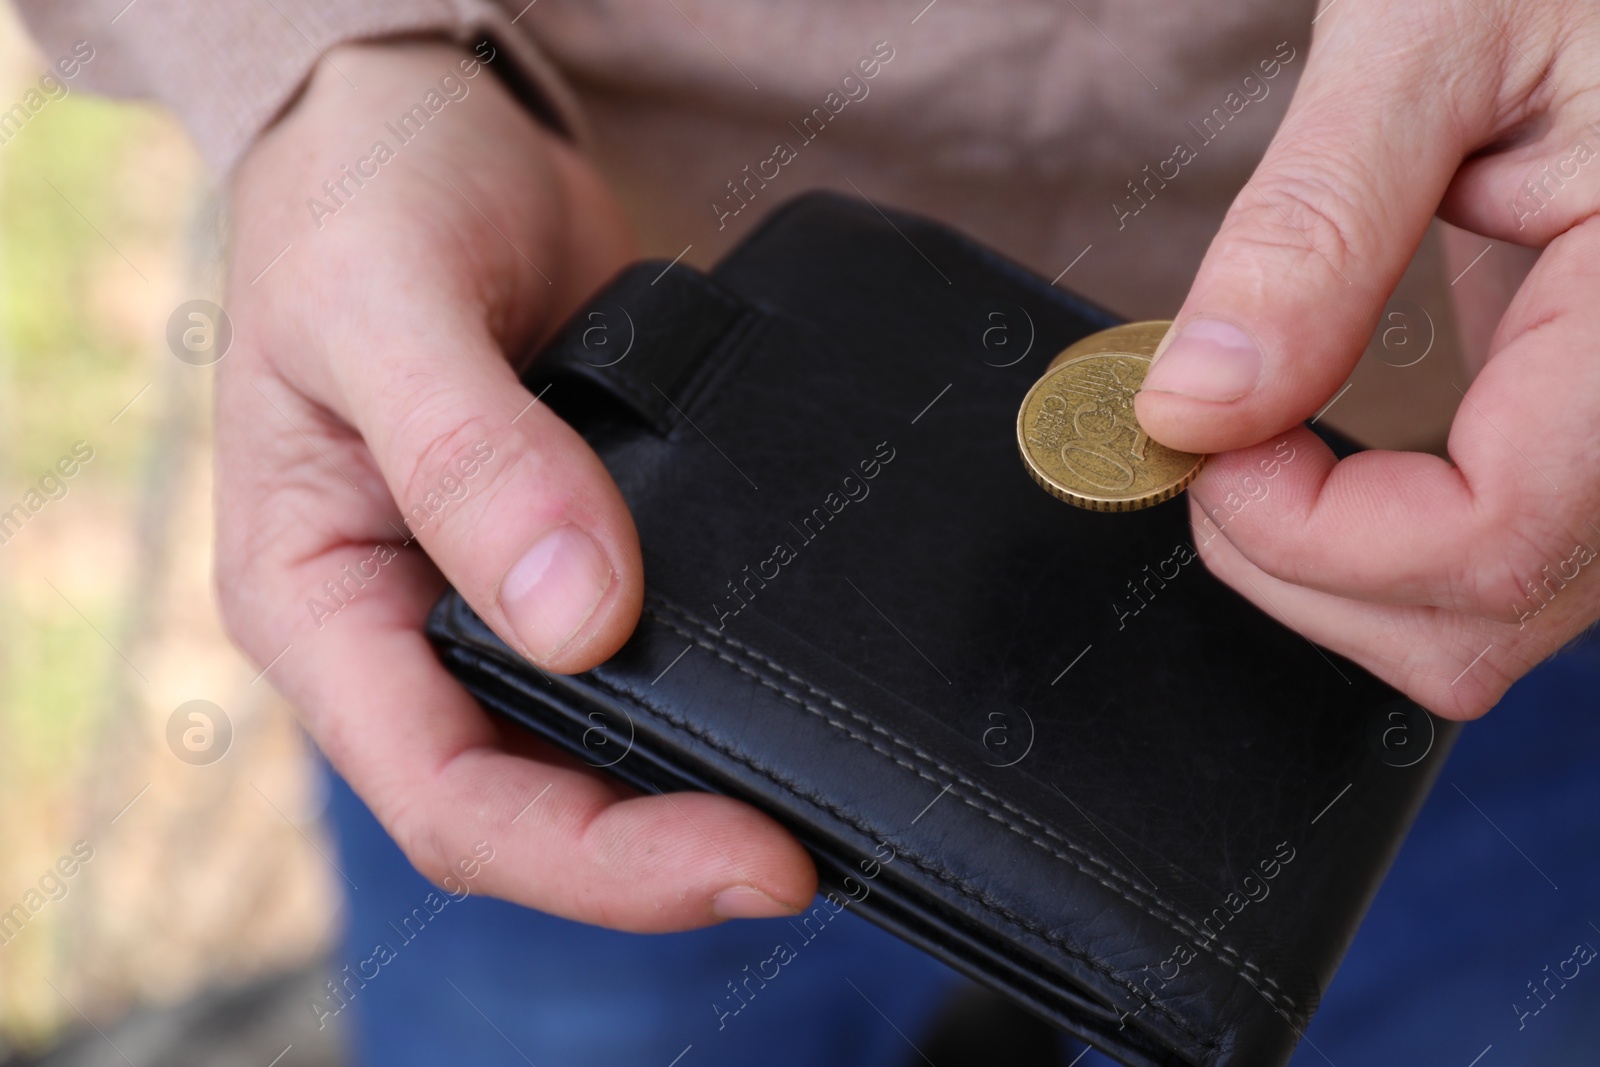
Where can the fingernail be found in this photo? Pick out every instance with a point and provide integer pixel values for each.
(748, 902)
(1208, 360)
(553, 589)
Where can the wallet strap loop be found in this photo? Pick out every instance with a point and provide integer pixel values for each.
(642, 345)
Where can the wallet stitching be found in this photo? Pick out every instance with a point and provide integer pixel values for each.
(1208, 1040)
(1168, 912)
(1171, 909)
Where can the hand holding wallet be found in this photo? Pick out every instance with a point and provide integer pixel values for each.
(1043, 744)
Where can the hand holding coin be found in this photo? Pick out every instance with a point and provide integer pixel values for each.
(1078, 433)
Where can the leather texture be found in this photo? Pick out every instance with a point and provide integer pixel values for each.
(1043, 744)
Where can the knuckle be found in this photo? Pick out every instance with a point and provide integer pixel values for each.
(446, 438)
(1457, 688)
(1454, 666)
(421, 840)
(1279, 550)
(266, 523)
(1303, 213)
(254, 611)
(242, 587)
(1516, 571)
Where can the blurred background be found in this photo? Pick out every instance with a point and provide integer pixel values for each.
(208, 875)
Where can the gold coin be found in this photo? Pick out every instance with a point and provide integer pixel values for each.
(1078, 434)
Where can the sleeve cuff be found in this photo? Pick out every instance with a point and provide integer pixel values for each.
(228, 70)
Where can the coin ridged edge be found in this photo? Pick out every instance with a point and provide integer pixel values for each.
(1090, 503)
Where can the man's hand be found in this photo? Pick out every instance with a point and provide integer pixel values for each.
(368, 412)
(1449, 580)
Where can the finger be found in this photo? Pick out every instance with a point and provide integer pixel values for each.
(1536, 178)
(565, 839)
(1292, 285)
(1456, 666)
(314, 585)
(508, 500)
(1511, 523)
(1349, 528)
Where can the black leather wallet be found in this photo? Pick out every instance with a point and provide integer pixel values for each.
(1043, 744)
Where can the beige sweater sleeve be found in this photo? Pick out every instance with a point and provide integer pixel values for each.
(227, 68)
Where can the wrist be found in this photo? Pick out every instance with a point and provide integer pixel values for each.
(365, 93)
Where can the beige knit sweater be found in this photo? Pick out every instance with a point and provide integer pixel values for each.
(1105, 137)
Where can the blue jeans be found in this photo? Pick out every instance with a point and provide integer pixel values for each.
(1451, 961)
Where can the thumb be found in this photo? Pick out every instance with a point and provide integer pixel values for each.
(1291, 287)
(506, 498)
